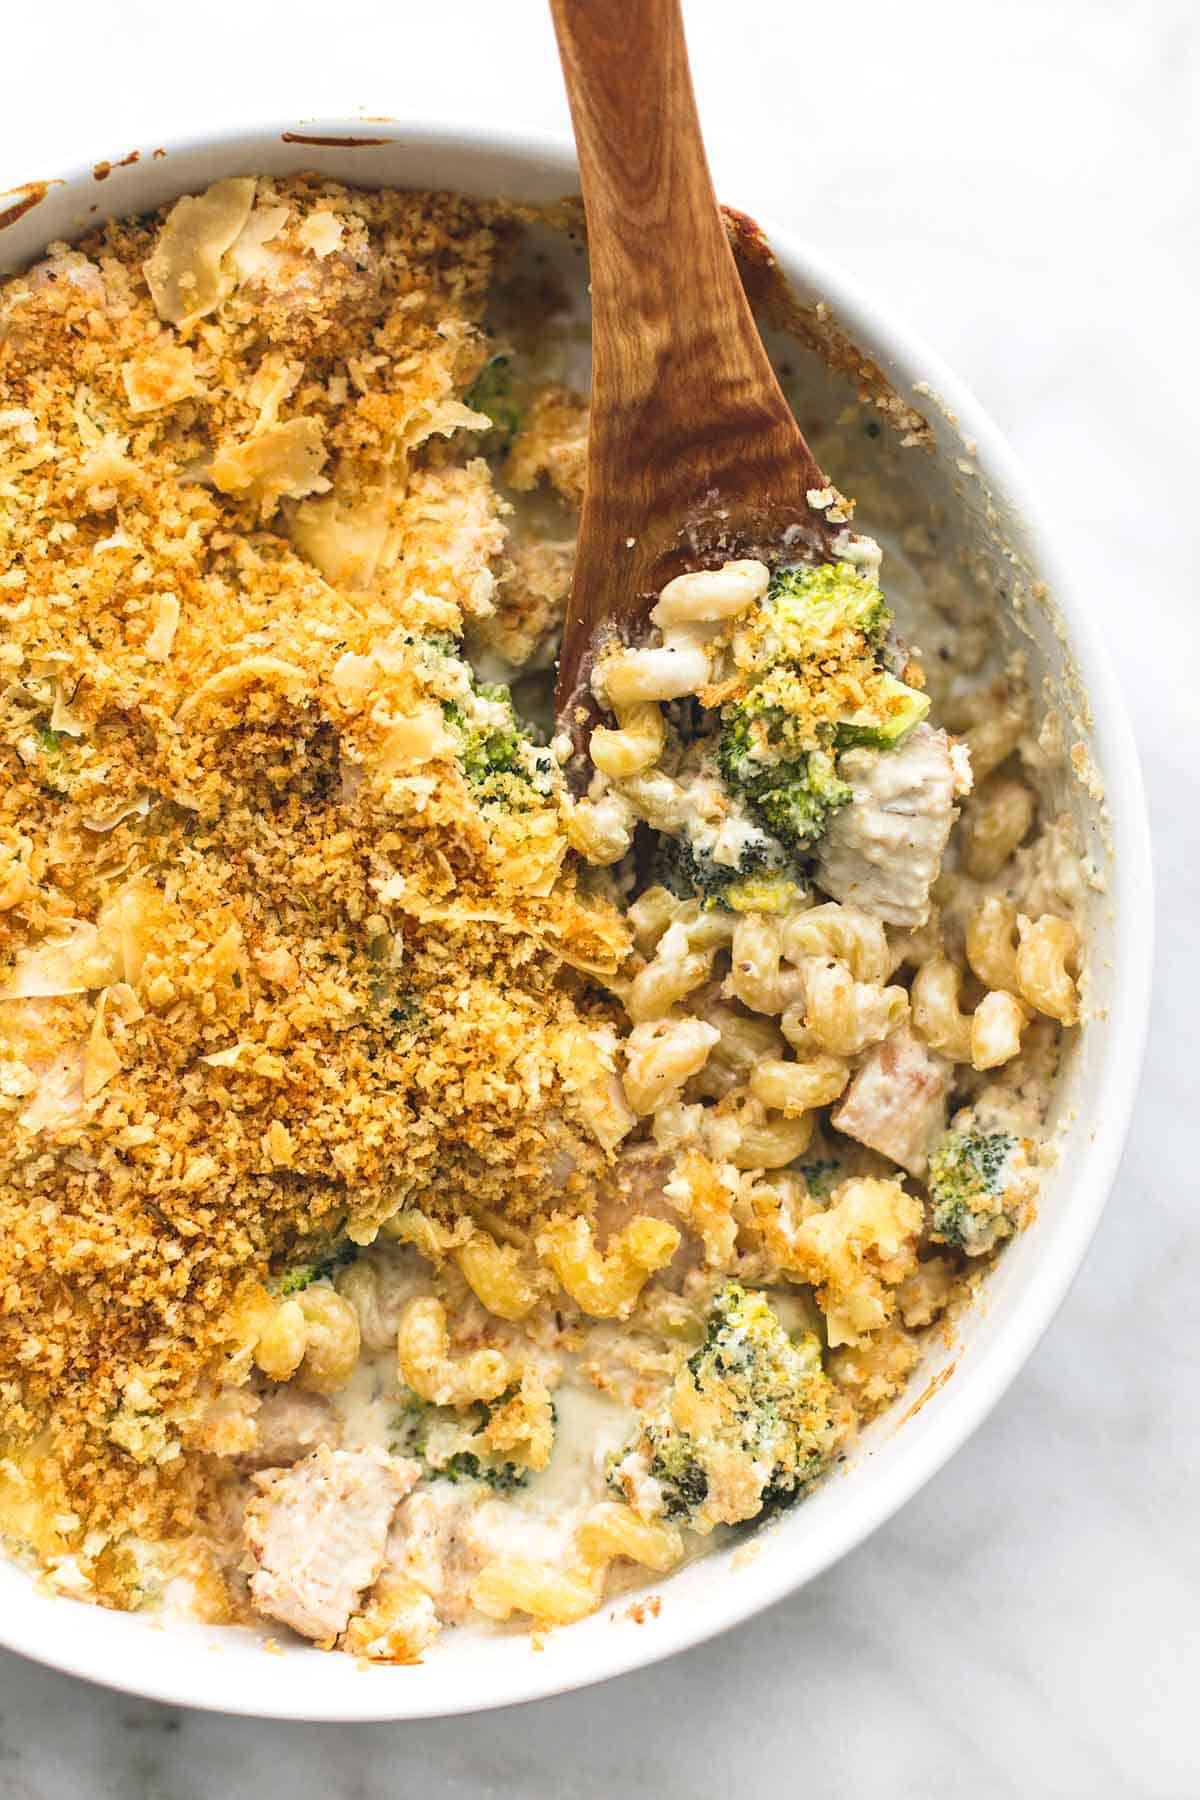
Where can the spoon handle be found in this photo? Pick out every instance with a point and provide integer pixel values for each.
(686, 411)
(653, 223)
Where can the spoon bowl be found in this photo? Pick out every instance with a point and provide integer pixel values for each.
(694, 456)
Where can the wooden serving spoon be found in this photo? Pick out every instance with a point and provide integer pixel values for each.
(693, 454)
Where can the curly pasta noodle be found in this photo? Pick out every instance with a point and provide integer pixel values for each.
(428, 1368)
(606, 1285)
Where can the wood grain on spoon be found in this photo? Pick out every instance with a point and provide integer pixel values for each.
(693, 453)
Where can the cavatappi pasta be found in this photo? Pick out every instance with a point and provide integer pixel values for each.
(429, 1194)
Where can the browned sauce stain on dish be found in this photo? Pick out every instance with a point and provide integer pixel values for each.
(32, 193)
(350, 143)
(771, 294)
(939, 1381)
(157, 153)
(102, 170)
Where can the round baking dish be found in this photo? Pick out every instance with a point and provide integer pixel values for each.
(963, 467)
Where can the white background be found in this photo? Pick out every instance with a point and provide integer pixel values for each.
(1019, 180)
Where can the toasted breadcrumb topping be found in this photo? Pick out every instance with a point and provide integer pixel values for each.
(270, 968)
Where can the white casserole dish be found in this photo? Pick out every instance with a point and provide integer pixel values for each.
(972, 472)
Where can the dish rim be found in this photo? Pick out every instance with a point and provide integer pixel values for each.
(93, 1653)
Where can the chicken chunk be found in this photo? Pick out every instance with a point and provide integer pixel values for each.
(69, 270)
(633, 1188)
(884, 850)
(298, 285)
(896, 1103)
(318, 1532)
(291, 1424)
(58, 301)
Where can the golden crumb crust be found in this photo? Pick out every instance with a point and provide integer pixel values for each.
(269, 968)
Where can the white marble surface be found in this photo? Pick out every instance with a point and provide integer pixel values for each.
(1020, 180)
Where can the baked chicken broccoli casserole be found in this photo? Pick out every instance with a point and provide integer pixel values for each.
(427, 1194)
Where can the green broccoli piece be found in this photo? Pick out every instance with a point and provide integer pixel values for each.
(791, 790)
(501, 1477)
(680, 1473)
(770, 751)
(796, 800)
(484, 750)
(894, 709)
(822, 1176)
(320, 1268)
(759, 879)
(59, 763)
(498, 757)
(973, 1186)
(411, 1429)
(810, 606)
(762, 1416)
(439, 644)
(491, 392)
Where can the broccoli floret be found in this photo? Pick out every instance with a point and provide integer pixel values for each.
(59, 764)
(439, 643)
(484, 750)
(681, 1475)
(759, 881)
(821, 630)
(491, 392)
(772, 750)
(822, 1176)
(810, 607)
(501, 1477)
(974, 1187)
(762, 1420)
(410, 1428)
(498, 757)
(792, 791)
(890, 714)
(319, 1268)
(795, 800)
(411, 1431)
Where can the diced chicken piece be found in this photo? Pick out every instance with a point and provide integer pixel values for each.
(69, 271)
(298, 297)
(896, 1103)
(291, 1424)
(633, 1188)
(883, 851)
(60, 297)
(433, 1546)
(318, 1532)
